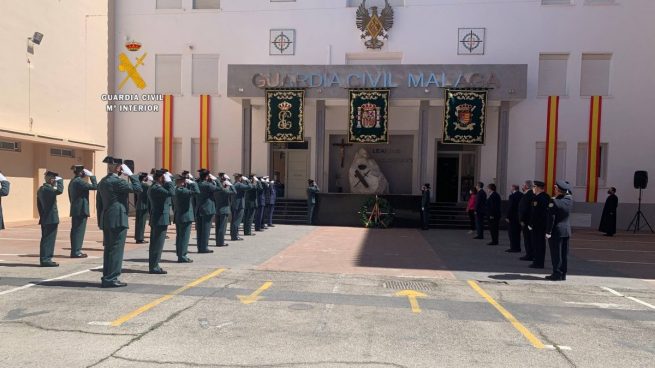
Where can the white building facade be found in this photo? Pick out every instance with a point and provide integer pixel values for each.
(528, 51)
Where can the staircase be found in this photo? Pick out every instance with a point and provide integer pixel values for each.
(448, 216)
(290, 211)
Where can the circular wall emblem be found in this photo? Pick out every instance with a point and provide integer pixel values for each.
(471, 41)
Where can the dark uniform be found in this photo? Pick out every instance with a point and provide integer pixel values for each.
(271, 197)
(238, 207)
(251, 207)
(111, 206)
(514, 228)
(4, 191)
(261, 204)
(142, 210)
(48, 218)
(559, 229)
(493, 214)
(78, 194)
(525, 213)
(425, 206)
(608, 219)
(206, 209)
(222, 200)
(538, 219)
(480, 208)
(160, 199)
(312, 189)
(184, 216)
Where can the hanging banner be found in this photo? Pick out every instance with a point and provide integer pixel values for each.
(551, 143)
(204, 131)
(464, 116)
(369, 116)
(284, 115)
(593, 158)
(167, 133)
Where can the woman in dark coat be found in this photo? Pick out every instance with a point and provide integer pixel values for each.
(608, 219)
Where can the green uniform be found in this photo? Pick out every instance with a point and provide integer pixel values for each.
(222, 200)
(160, 198)
(237, 207)
(184, 216)
(112, 205)
(4, 191)
(311, 202)
(251, 207)
(206, 209)
(48, 218)
(78, 194)
(142, 208)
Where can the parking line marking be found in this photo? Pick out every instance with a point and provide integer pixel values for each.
(522, 329)
(628, 297)
(44, 281)
(164, 298)
(249, 299)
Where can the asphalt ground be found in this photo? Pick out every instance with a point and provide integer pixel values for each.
(302, 296)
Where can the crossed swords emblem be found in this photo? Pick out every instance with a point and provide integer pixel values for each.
(125, 65)
(361, 176)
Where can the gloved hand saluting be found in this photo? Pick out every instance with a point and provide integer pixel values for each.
(167, 178)
(2, 177)
(58, 178)
(126, 170)
(87, 172)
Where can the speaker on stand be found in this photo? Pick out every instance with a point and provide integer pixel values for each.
(640, 182)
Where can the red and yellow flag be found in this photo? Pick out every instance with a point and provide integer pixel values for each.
(204, 131)
(167, 133)
(593, 158)
(551, 143)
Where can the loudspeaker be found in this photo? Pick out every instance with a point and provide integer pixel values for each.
(641, 179)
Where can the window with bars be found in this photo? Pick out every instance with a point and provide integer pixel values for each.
(62, 152)
(10, 146)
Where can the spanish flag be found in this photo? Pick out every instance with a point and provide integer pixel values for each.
(551, 143)
(593, 158)
(167, 133)
(204, 131)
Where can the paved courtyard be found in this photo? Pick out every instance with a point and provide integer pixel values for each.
(327, 297)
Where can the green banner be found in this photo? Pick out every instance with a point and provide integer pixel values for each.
(284, 115)
(369, 116)
(464, 116)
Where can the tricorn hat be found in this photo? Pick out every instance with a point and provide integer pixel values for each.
(539, 183)
(77, 168)
(49, 173)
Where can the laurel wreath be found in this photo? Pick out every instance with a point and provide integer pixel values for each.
(386, 213)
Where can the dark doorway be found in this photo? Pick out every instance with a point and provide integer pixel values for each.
(447, 177)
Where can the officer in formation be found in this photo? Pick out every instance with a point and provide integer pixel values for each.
(206, 209)
(112, 206)
(480, 209)
(558, 229)
(493, 213)
(222, 199)
(261, 202)
(78, 195)
(238, 205)
(271, 197)
(512, 218)
(160, 197)
(142, 208)
(4, 191)
(185, 190)
(425, 206)
(49, 216)
(251, 205)
(538, 217)
(525, 211)
(312, 189)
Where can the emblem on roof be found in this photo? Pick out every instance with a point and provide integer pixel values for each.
(374, 26)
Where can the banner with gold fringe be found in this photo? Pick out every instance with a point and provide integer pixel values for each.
(593, 158)
(205, 121)
(550, 176)
(368, 116)
(284, 115)
(167, 133)
(464, 116)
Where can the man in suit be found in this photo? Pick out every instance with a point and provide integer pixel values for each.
(312, 189)
(480, 208)
(525, 213)
(4, 191)
(160, 197)
(512, 218)
(251, 205)
(142, 208)
(111, 206)
(186, 188)
(222, 200)
(538, 218)
(78, 194)
(270, 203)
(241, 186)
(425, 206)
(608, 219)
(206, 209)
(558, 230)
(493, 213)
(49, 216)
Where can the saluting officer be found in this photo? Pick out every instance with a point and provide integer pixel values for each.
(251, 205)
(160, 197)
(4, 191)
(271, 196)
(222, 200)
(537, 226)
(525, 212)
(78, 194)
(142, 208)
(112, 205)
(261, 204)
(558, 229)
(425, 206)
(206, 209)
(241, 186)
(312, 189)
(185, 190)
(49, 216)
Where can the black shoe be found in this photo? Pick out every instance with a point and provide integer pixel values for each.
(206, 251)
(250, 234)
(237, 239)
(223, 245)
(608, 234)
(80, 255)
(553, 277)
(184, 260)
(492, 243)
(526, 258)
(534, 265)
(141, 242)
(510, 250)
(271, 225)
(563, 277)
(158, 272)
(49, 264)
(478, 237)
(113, 284)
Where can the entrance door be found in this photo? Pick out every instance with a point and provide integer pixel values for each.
(297, 174)
(447, 179)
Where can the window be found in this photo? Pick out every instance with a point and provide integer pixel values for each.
(62, 152)
(583, 156)
(552, 74)
(169, 4)
(378, 3)
(556, 2)
(206, 4)
(10, 146)
(168, 74)
(540, 163)
(205, 74)
(595, 74)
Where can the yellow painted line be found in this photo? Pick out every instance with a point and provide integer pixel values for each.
(522, 329)
(249, 299)
(166, 297)
(411, 296)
